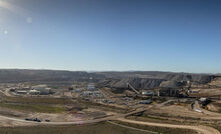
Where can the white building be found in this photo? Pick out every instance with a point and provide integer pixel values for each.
(91, 87)
(34, 92)
(148, 93)
(43, 89)
(21, 92)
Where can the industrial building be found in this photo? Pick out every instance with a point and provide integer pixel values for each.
(168, 92)
(21, 92)
(43, 89)
(34, 92)
(148, 93)
(91, 94)
(91, 87)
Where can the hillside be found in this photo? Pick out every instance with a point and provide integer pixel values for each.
(16, 75)
(149, 80)
(118, 80)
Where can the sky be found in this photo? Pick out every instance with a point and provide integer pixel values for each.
(111, 35)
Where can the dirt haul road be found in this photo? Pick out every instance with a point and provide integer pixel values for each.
(200, 129)
(210, 115)
(121, 117)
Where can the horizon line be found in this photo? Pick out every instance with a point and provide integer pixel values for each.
(100, 71)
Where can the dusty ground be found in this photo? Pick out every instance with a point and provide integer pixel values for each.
(76, 113)
(69, 116)
(210, 92)
(184, 112)
(216, 82)
(9, 123)
(214, 107)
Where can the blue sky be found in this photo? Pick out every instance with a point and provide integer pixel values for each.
(104, 35)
